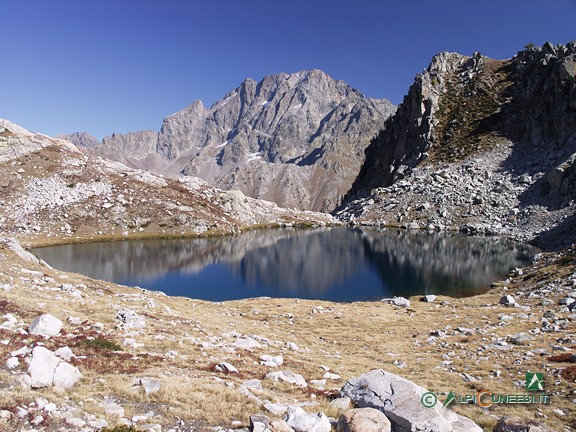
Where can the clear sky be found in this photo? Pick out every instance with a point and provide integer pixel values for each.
(104, 66)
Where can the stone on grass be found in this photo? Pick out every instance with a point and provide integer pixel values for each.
(149, 385)
(226, 368)
(398, 301)
(271, 361)
(45, 325)
(12, 362)
(112, 408)
(516, 424)
(363, 420)
(301, 421)
(400, 400)
(289, 377)
(42, 367)
(430, 298)
(507, 300)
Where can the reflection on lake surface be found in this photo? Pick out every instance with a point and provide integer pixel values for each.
(338, 264)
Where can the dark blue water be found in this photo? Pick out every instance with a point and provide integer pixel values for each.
(337, 264)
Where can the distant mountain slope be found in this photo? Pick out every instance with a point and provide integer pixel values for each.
(52, 193)
(295, 139)
(479, 141)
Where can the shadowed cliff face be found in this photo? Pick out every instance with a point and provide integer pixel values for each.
(297, 140)
(338, 264)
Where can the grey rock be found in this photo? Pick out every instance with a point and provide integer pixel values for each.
(45, 325)
(129, 319)
(516, 424)
(277, 425)
(400, 400)
(363, 420)
(271, 361)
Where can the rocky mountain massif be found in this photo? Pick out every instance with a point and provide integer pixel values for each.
(297, 140)
(479, 144)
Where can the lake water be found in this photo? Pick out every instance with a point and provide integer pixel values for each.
(338, 264)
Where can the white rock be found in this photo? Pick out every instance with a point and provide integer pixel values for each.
(98, 424)
(66, 375)
(332, 376)
(65, 353)
(19, 352)
(226, 368)
(246, 343)
(42, 367)
(301, 421)
(398, 301)
(149, 385)
(430, 298)
(289, 377)
(12, 362)
(45, 325)
(271, 361)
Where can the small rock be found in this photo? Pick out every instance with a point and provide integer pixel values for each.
(12, 362)
(259, 423)
(289, 377)
(363, 420)
(65, 353)
(76, 422)
(112, 408)
(271, 361)
(45, 325)
(507, 300)
(332, 376)
(42, 367)
(398, 301)
(430, 298)
(149, 385)
(226, 368)
(301, 421)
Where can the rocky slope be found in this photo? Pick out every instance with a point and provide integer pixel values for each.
(53, 193)
(294, 139)
(480, 144)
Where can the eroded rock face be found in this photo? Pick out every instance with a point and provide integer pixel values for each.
(400, 400)
(295, 139)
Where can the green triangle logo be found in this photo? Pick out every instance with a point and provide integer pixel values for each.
(534, 381)
(449, 399)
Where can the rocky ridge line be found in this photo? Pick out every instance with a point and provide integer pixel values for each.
(294, 139)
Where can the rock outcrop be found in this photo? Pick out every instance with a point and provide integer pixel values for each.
(480, 144)
(294, 139)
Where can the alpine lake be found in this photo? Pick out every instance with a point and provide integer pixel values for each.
(337, 264)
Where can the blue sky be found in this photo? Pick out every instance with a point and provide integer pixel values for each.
(104, 66)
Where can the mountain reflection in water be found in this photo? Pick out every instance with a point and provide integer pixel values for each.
(338, 264)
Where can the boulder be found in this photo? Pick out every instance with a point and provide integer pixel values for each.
(46, 369)
(400, 400)
(42, 367)
(45, 325)
(226, 368)
(278, 425)
(430, 298)
(363, 420)
(398, 301)
(301, 421)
